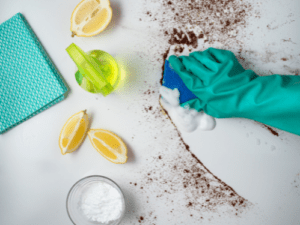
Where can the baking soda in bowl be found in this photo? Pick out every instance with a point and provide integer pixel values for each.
(101, 202)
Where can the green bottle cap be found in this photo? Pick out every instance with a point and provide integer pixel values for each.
(89, 69)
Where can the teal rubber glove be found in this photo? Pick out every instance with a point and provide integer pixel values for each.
(225, 89)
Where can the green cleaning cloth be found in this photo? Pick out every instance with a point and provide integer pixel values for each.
(225, 89)
(29, 81)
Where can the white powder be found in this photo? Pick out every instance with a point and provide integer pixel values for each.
(184, 118)
(101, 202)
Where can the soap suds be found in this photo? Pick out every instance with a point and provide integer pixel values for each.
(185, 119)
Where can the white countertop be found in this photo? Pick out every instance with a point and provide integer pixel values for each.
(261, 168)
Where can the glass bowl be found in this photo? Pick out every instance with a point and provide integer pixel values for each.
(74, 200)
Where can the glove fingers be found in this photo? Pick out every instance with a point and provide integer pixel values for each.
(224, 57)
(220, 55)
(192, 81)
(195, 66)
(207, 60)
(176, 64)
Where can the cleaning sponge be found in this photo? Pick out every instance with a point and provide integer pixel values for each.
(174, 92)
(172, 80)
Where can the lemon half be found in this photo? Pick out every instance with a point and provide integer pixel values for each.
(73, 132)
(109, 145)
(90, 17)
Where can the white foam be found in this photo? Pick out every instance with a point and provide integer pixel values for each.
(184, 118)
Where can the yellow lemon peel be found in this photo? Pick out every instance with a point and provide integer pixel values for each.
(73, 132)
(90, 17)
(109, 145)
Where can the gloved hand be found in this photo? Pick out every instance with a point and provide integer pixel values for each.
(225, 89)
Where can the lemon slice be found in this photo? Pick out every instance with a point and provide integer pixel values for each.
(109, 145)
(90, 17)
(73, 132)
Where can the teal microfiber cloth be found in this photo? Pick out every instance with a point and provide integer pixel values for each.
(29, 81)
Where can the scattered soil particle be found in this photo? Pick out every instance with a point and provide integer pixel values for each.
(148, 92)
(183, 22)
(179, 37)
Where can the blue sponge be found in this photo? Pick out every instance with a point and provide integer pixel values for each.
(172, 80)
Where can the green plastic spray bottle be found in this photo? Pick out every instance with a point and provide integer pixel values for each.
(98, 72)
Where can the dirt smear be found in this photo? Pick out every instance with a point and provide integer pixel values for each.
(184, 26)
(201, 183)
(184, 22)
(181, 181)
(272, 131)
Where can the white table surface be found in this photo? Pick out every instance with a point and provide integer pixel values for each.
(260, 167)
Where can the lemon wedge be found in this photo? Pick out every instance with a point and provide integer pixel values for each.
(109, 145)
(73, 132)
(90, 17)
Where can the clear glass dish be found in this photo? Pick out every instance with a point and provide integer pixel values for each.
(74, 200)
